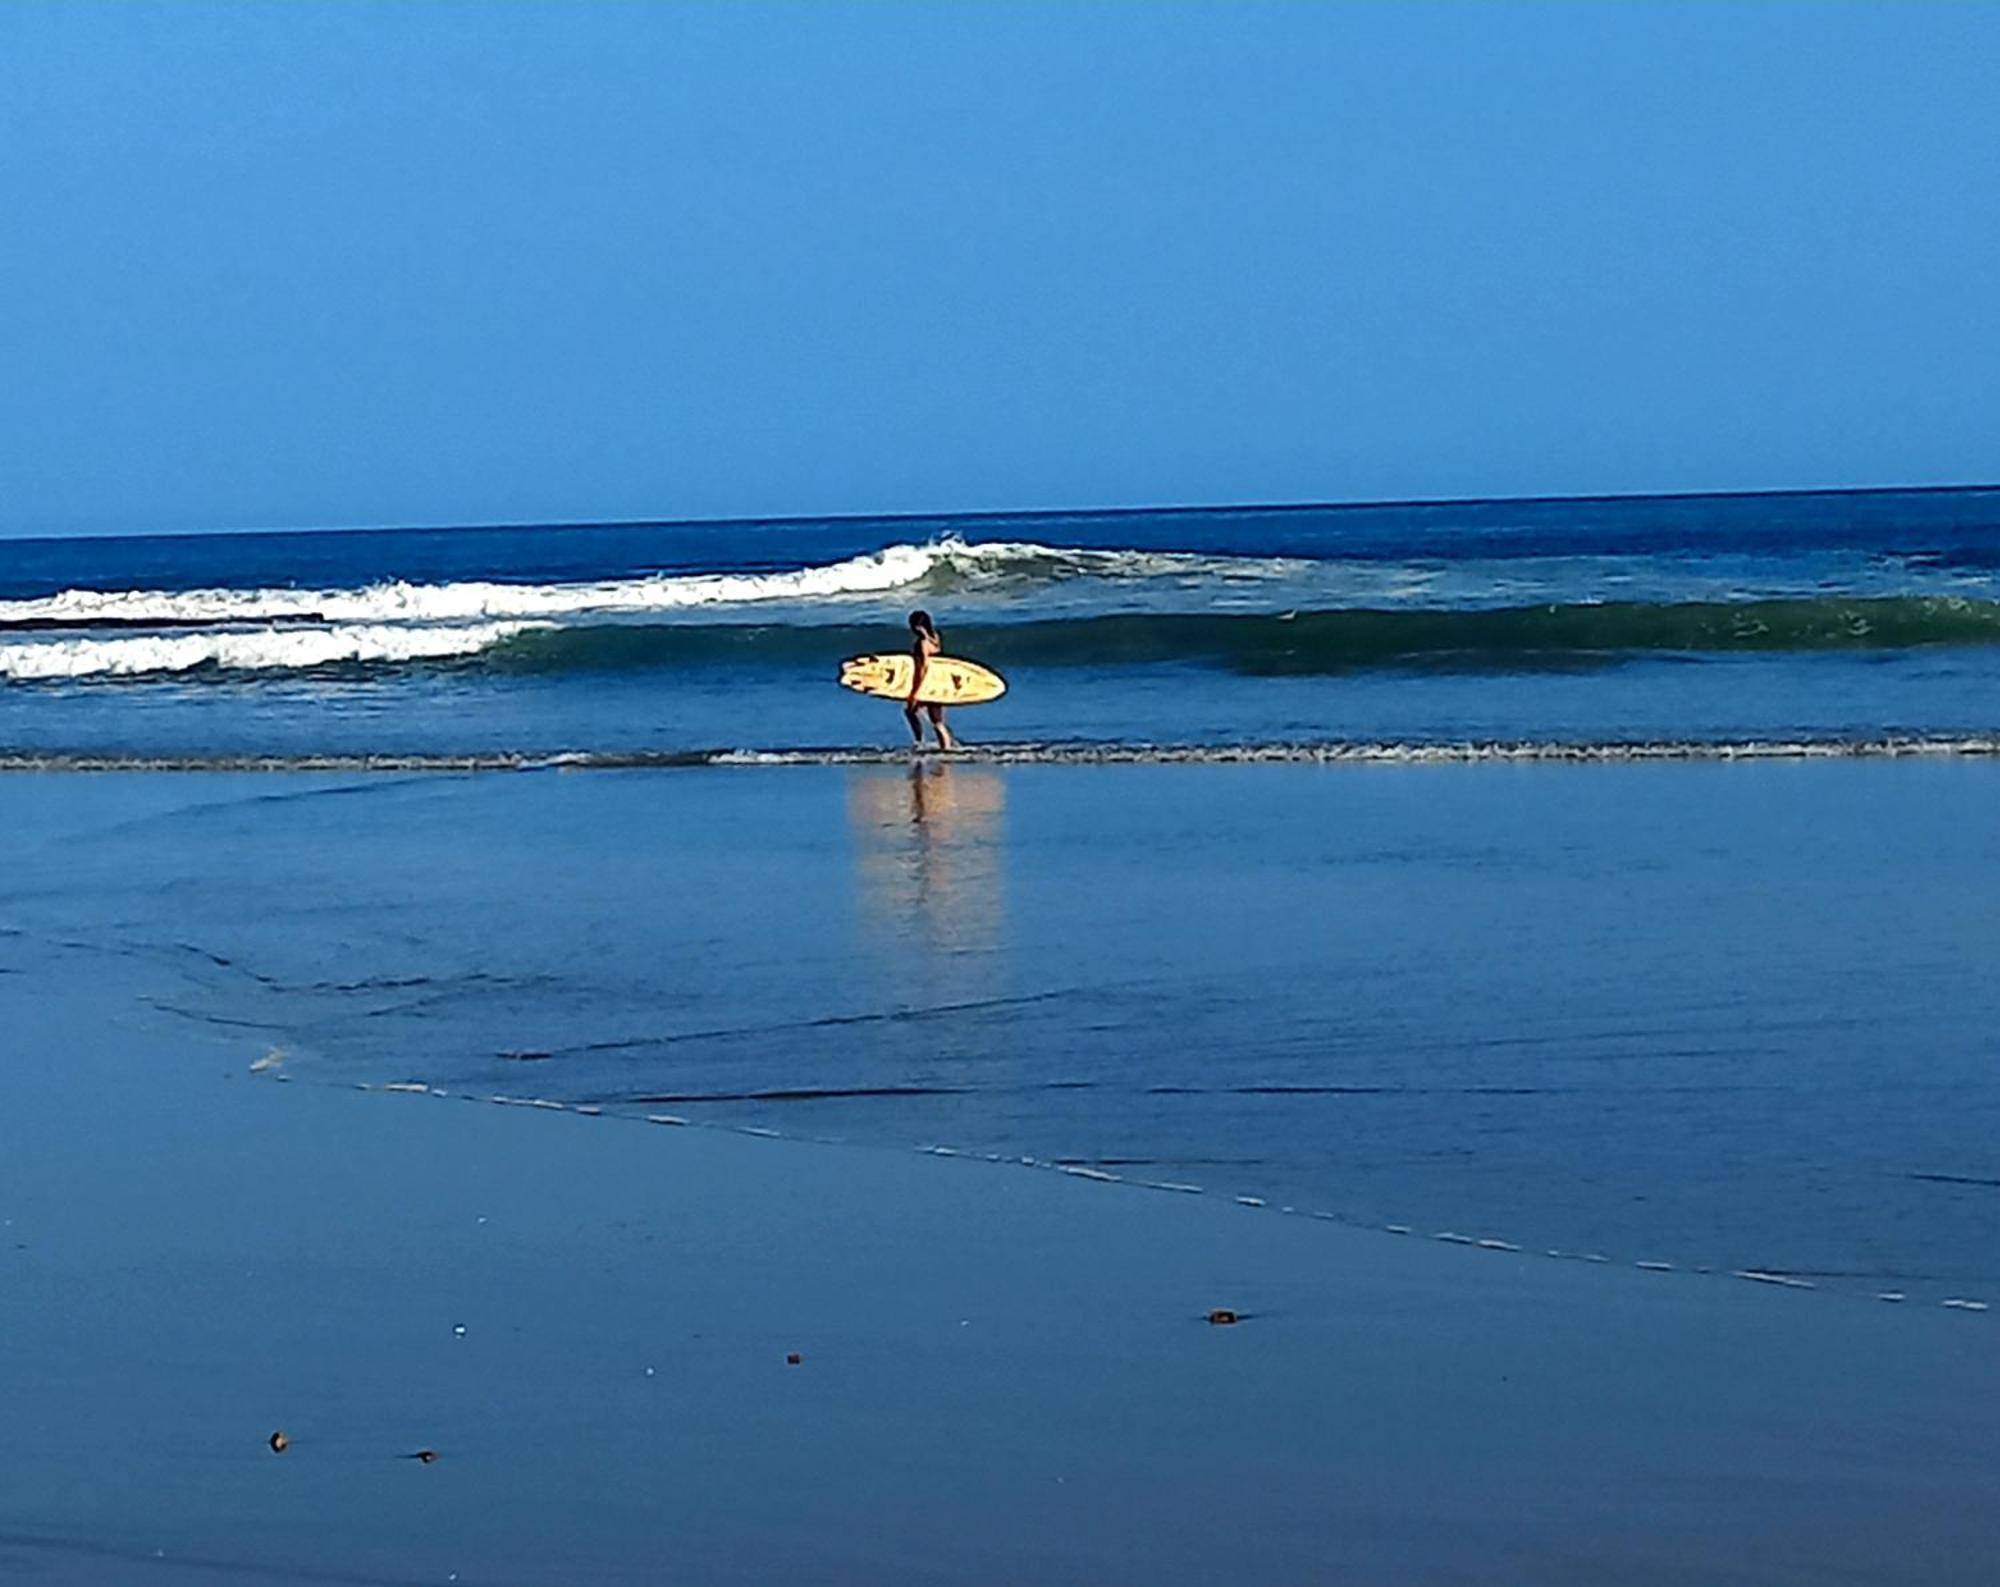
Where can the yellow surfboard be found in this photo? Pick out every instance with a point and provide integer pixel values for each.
(947, 680)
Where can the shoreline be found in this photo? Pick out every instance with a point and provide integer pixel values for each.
(1000, 1375)
(1329, 752)
(1967, 1305)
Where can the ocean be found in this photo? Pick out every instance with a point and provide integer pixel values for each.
(1614, 879)
(1832, 618)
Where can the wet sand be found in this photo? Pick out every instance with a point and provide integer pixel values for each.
(1004, 1374)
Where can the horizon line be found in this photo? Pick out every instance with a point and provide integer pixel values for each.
(1001, 514)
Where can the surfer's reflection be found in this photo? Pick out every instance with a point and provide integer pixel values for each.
(927, 847)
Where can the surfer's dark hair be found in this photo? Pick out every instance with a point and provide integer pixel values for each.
(920, 623)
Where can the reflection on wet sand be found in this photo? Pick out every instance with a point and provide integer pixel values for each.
(929, 844)
(927, 853)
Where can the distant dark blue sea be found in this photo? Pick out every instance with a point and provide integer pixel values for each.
(1686, 620)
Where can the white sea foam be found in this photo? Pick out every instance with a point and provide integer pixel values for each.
(1360, 752)
(1352, 753)
(287, 649)
(894, 567)
(1011, 559)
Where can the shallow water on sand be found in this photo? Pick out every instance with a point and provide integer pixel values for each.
(1737, 1016)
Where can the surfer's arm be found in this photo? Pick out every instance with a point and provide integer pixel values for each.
(923, 658)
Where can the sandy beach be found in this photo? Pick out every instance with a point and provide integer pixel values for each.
(1004, 1373)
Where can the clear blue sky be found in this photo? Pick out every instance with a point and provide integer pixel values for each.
(374, 264)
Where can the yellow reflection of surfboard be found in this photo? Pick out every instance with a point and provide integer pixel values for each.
(947, 680)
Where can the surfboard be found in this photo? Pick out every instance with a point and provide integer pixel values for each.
(947, 680)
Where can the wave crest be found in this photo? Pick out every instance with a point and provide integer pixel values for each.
(942, 565)
(260, 650)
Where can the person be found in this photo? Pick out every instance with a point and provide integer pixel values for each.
(925, 643)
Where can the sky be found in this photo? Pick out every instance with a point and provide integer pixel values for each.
(308, 265)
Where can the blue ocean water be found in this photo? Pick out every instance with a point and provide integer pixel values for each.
(1665, 1005)
(1827, 617)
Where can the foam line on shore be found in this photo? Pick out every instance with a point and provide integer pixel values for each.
(1328, 752)
(1488, 1243)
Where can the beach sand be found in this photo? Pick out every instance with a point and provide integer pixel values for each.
(1004, 1374)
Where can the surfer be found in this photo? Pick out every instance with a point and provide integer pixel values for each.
(925, 643)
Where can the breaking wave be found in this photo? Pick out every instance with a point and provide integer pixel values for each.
(943, 566)
(1127, 608)
(254, 650)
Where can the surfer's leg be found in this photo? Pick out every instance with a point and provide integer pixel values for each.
(937, 726)
(915, 721)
